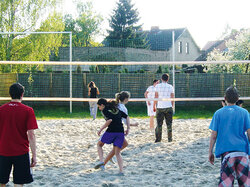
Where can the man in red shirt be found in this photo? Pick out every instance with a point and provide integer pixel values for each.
(17, 124)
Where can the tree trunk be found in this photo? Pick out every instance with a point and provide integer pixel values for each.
(11, 36)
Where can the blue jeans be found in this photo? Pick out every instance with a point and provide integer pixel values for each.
(93, 109)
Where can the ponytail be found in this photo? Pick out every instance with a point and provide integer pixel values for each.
(122, 96)
(117, 97)
(111, 105)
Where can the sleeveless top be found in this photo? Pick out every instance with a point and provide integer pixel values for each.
(93, 92)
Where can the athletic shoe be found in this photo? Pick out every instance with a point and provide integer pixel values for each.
(120, 174)
(99, 165)
(102, 167)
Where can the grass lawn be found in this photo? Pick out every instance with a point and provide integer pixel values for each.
(182, 112)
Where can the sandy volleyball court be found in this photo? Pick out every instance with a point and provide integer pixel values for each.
(67, 154)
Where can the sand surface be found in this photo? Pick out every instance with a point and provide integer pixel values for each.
(67, 154)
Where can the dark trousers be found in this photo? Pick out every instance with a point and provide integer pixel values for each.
(162, 113)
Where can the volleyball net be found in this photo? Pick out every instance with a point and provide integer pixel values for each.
(195, 81)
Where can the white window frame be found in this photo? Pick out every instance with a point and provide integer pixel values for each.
(180, 47)
(187, 48)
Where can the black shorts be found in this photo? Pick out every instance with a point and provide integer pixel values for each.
(21, 169)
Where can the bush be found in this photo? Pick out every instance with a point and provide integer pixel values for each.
(78, 69)
(159, 70)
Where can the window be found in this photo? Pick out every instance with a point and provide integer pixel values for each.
(180, 47)
(187, 48)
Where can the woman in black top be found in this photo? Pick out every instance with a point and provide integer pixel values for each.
(114, 133)
(93, 91)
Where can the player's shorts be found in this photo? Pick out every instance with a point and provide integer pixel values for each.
(151, 108)
(117, 138)
(21, 169)
(235, 165)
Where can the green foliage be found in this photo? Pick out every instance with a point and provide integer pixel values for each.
(124, 29)
(38, 47)
(48, 69)
(26, 16)
(84, 28)
(124, 70)
(22, 15)
(163, 69)
(238, 49)
(166, 69)
(101, 69)
(141, 71)
(159, 69)
(78, 69)
(92, 69)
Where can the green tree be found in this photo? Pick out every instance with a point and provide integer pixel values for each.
(238, 49)
(27, 15)
(84, 28)
(125, 31)
(21, 16)
(35, 47)
(159, 69)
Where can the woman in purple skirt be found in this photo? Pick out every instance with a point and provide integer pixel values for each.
(114, 133)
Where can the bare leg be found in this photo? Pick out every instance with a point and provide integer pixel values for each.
(112, 153)
(2, 185)
(18, 185)
(134, 124)
(119, 158)
(100, 151)
(151, 124)
(109, 156)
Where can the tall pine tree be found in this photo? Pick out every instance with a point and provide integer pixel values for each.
(124, 29)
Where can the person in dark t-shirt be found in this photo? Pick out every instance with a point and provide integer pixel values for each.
(115, 131)
(93, 91)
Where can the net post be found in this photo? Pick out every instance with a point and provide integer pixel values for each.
(173, 59)
(70, 73)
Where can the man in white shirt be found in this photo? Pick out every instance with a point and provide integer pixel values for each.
(164, 109)
(150, 94)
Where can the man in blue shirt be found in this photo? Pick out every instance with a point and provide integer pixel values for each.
(228, 126)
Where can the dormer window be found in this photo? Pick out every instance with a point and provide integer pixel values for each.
(180, 47)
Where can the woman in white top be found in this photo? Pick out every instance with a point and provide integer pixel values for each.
(150, 94)
(122, 99)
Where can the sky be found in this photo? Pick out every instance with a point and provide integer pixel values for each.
(206, 20)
